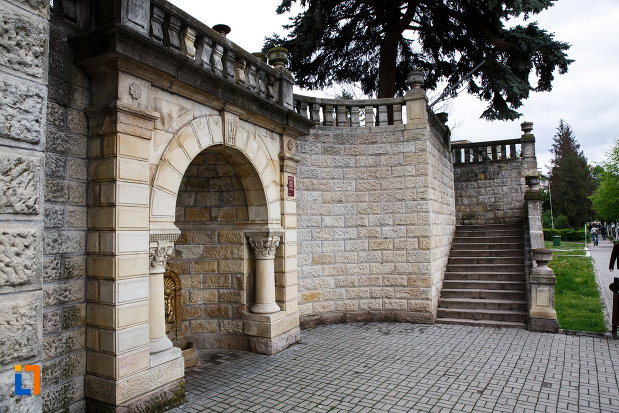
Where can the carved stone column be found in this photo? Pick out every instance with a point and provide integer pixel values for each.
(161, 248)
(264, 244)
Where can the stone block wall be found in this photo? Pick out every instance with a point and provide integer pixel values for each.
(64, 317)
(24, 45)
(211, 257)
(365, 205)
(490, 192)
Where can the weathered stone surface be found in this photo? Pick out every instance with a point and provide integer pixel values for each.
(73, 316)
(67, 192)
(51, 322)
(65, 343)
(54, 216)
(52, 269)
(22, 110)
(74, 267)
(74, 365)
(65, 242)
(20, 259)
(20, 183)
(20, 326)
(63, 395)
(63, 292)
(23, 44)
(9, 402)
(65, 142)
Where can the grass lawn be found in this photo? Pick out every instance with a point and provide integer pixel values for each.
(565, 245)
(577, 301)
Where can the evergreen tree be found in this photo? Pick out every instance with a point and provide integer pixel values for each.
(570, 178)
(378, 42)
(606, 196)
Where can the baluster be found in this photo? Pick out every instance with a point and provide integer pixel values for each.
(494, 154)
(341, 116)
(173, 33)
(382, 116)
(252, 77)
(156, 24)
(328, 112)
(369, 116)
(189, 38)
(354, 116)
(203, 52)
(512, 151)
(240, 76)
(229, 59)
(503, 152)
(218, 54)
(397, 114)
(303, 109)
(261, 82)
(315, 112)
(271, 87)
(467, 155)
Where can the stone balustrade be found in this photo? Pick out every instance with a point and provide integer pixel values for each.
(350, 112)
(476, 152)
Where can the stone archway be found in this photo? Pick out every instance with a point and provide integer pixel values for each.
(268, 327)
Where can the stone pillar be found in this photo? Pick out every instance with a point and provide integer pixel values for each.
(416, 102)
(161, 248)
(542, 314)
(265, 244)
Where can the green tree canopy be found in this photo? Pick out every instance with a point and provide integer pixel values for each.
(378, 42)
(606, 197)
(570, 178)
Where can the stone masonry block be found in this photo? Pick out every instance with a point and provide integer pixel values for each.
(20, 183)
(22, 109)
(20, 259)
(23, 44)
(65, 343)
(17, 404)
(20, 326)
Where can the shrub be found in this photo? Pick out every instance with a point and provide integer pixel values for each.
(565, 234)
(561, 222)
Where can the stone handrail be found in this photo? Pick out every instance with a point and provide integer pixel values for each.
(205, 47)
(474, 152)
(350, 112)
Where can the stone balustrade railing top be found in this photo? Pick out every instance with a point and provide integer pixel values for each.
(350, 112)
(489, 151)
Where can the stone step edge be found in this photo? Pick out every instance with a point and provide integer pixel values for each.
(481, 323)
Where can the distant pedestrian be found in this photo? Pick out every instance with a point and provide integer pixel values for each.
(603, 232)
(594, 235)
(614, 256)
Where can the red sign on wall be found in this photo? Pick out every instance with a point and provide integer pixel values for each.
(291, 186)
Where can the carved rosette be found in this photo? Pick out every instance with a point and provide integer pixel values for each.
(264, 244)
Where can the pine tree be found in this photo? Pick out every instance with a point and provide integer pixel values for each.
(570, 178)
(376, 43)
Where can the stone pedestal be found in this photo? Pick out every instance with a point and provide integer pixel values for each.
(542, 315)
(265, 244)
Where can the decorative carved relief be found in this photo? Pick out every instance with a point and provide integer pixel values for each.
(135, 91)
(159, 253)
(264, 244)
(172, 299)
(231, 125)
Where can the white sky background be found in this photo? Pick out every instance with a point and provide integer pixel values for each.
(587, 97)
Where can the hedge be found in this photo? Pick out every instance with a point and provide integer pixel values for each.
(565, 234)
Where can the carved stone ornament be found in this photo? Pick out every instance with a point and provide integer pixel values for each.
(159, 253)
(231, 123)
(172, 300)
(264, 244)
(135, 91)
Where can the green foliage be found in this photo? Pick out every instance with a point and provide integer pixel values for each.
(577, 300)
(376, 43)
(605, 199)
(566, 234)
(570, 179)
(561, 222)
(546, 219)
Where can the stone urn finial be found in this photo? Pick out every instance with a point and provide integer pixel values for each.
(222, 29)
(542, 256)
(415, 79)
(278, 57)
(526, 127)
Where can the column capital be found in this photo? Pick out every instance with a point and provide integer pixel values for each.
(264, 242)
(161, 248)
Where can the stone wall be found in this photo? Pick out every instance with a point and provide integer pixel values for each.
(64, 318)
(366, 202)
(492, 191)
(24, 45)
(211, 257)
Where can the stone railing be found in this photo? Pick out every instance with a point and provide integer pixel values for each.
(486, 151)
(349, 112)
(211, 50)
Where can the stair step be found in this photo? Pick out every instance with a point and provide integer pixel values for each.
(479, 314)
(516, 295)
(489, 227)
(484, 276)
(493, 233)
(485, 268)
(488, 239)
(475, 245)
(484, 285)
(482, 323)
(485, 260)
(488, 253)
(485, 304)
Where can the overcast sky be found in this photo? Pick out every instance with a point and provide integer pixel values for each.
(587, 97)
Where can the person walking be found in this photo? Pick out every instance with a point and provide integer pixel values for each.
(594, 235)
(603, 232)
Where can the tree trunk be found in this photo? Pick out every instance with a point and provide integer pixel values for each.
(386, 65)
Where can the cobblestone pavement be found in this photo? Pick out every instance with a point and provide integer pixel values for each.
(601, 258)
(370, 367)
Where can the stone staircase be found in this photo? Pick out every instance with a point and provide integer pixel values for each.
(484, 283)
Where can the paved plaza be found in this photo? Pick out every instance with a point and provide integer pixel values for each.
(601, 258)
(407, 367)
